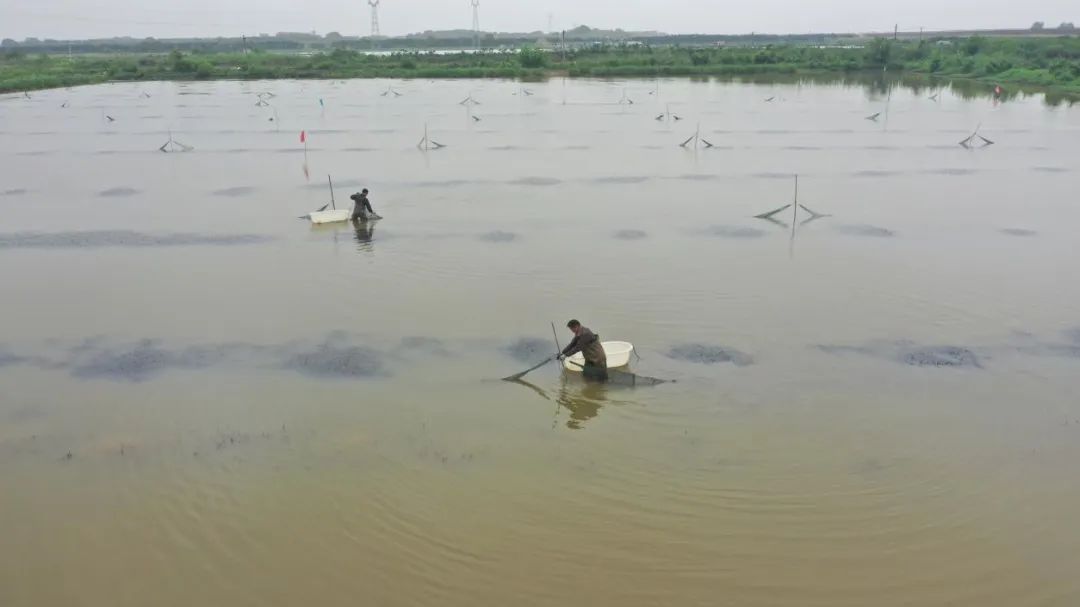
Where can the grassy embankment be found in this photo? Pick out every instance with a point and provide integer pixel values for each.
(1050, 63)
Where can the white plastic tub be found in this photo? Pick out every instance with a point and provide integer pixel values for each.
(617, 352)
(319, 217)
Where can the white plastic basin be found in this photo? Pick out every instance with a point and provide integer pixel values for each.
(330, 216)
(617, 352)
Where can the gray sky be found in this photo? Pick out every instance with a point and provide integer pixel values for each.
(169, 18)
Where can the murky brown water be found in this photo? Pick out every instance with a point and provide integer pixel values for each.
(880, 410)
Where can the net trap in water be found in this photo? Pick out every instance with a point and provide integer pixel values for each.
(173, 145)
(427, 143)
(795, 205)
(696, 141)
(975, 140)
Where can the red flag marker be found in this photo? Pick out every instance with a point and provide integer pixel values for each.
(303, 136)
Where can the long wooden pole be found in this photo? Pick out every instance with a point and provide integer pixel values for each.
(332, 203)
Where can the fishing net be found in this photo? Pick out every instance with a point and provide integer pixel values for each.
(625, 378)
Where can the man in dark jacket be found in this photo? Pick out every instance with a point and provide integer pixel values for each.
(588, 343)
(362, 209)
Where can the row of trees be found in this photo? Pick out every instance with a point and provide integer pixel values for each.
(1040, 26)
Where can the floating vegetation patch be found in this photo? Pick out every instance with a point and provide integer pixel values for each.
(1068, 349)
(911, 354)
(122, 238)
(1048, 169)
(734, 232)
(832, 349)
(118, 192)
(803, 148)
(952, 172)
(940, 356)
(337, 356)
(536, 181)
(498, 236)
(697, 177)
(359, 150)
(529, 349)
(140, 361)
(7, 359)
(36, 153)
(709, 355)
(13, 192)
(337, 361)
(424, 345)
(577, 148)
(866, 230)
(631, 234)
(767, 175)
(621, 180)
(1051, 349)
(1018, 232)
(507, 148)
(235, 191)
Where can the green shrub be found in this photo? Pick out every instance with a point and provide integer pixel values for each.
(532, 58)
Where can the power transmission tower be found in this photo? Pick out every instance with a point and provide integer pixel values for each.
(374, 18)
(476, 23)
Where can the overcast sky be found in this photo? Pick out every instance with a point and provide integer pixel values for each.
(167, 18)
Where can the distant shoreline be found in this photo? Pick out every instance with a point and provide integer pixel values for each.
(1050, 65)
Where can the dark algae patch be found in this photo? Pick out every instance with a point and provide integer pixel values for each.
(733, 232)
(140, 361)
(337, 361)
(122, 238)
(530, 349)
(631, 234)
(912, 354)
(866, 230)
(940, 356)
(705, 354)
(536, 181)
(498, 236)
(235, 192)
(119, 192)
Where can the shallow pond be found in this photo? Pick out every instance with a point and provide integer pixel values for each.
(206, 401)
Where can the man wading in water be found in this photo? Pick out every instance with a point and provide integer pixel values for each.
(362, 209)
(588, 343)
